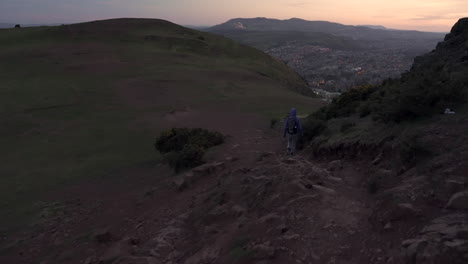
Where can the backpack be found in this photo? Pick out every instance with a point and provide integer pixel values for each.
(292, 125)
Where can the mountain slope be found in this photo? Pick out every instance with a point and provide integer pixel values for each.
(295, 24)
(82, 101)
(436, 81)
(414, 153)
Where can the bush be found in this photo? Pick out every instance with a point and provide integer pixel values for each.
(364, 109)
(190, 156)
(346, 126)
(412, 150)
(313, 127)
(273, 122)
(420, 94)
(184, 148)
(346, 104)
(176, 139)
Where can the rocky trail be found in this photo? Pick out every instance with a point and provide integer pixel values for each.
(250, 204)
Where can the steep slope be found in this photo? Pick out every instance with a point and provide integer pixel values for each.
(436, 81)
(82, 101)
(414, 155)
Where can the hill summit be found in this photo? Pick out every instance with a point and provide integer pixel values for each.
(84, 100)
(301, 25)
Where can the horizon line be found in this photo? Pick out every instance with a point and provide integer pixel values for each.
(215, 24)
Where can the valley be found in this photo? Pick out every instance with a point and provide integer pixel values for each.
(330, 56)
(86, 110)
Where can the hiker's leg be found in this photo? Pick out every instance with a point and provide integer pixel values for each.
(289, 143)
(293, 143)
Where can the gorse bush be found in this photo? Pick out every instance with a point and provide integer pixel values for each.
(412, 150)
(176, 139)
(347, 126)
(422, 93)
(190, 156)
(184, 148)
(313, 127)
(346, 104)
(273, 122)
(417, 98)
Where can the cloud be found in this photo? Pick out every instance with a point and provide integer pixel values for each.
(428, 18)
(439, 17)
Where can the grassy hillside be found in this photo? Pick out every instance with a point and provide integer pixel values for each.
(81, 101)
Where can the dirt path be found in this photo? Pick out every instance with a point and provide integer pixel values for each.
(255, 206)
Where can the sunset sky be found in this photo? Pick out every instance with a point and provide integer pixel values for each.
(426, 15)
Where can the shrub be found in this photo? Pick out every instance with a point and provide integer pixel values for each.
(421, 94)
(346, 104)
(313, 127)
(176, 139)
(364, 109)
(184, 148)
(190, 156)
(273, 122)
(412, 150)
(346, 126)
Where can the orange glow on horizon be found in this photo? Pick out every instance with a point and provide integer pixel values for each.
(425, 15)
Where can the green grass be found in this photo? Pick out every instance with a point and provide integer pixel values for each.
(64, 119)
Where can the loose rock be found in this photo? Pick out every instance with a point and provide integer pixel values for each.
(458, 201)
(102, 236)
(335, 165)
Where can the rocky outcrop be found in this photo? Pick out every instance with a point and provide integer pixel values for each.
(450, 54)
(445, 240)
(459, 201)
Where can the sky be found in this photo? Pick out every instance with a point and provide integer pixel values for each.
(425, 15)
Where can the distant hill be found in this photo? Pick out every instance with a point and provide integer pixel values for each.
(202, 28)
(295, 24)
(10, 25)
(373, 26)
(6, 25)
(332, 56)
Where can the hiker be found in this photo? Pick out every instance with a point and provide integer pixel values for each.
(293, 129)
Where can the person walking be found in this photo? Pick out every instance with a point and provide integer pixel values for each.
(292, 129)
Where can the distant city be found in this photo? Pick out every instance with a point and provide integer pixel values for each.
(333, 57)
(338, 70)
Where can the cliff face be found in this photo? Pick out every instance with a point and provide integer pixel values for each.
(436, 81)
(453, 51)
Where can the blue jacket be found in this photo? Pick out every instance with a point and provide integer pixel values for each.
(292, 114)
